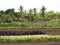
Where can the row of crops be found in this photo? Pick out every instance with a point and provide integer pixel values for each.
(28, 38)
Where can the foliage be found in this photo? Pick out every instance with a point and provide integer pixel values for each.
(29, 18)
(43, 11)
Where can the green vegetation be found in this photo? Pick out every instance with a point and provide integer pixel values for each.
(29, 18)
(28, 38)
(53, 38)
(30, 25)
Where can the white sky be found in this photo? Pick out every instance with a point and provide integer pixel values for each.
(27, 4)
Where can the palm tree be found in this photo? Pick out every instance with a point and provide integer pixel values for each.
(21, 10)
(35, 11)
(43, 11)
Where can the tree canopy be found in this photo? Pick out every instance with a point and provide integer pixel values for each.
(27, 15)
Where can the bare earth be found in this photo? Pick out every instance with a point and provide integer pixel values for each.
(32, 43)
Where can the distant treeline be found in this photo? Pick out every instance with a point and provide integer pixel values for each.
(22, 15)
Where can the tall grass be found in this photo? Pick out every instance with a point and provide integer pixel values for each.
(43, 24)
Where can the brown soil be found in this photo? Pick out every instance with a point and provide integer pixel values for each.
(32, 31)
(32, 43)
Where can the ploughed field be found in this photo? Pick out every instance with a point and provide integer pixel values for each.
(26, 36)
(29, 31)
(30, 40)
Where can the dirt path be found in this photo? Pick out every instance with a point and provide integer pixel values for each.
(33, 43)
(31, 31)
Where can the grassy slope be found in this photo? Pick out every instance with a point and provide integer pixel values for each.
(41, 24)
(30, 25)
